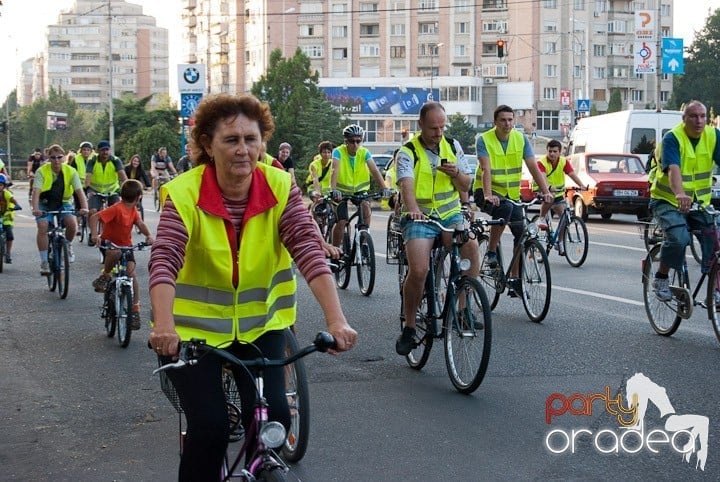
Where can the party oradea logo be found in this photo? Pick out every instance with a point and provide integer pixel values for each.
(687, 435)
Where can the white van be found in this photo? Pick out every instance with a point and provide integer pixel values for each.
(627, 131)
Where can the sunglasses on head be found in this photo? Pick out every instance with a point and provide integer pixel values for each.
(354, 141)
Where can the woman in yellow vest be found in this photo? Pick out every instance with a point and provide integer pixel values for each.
(8, 206)
(221, 270)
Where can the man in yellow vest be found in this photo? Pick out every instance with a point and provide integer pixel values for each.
(55, 183)
(555, 167)
(352, 167)
(104, 174)
(432, 172)
(684, 176)
(501, 151)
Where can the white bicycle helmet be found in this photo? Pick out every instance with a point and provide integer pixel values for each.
(353, 130)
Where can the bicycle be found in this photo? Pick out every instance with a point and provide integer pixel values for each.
(361, 252)
(264, 464)
(58, 256)
(161, 179)
(535, 282)
(323, 213)
(665, 316)
(652, 234)
(83, 230)
(118, 296)
(454, 307)
(574, 244)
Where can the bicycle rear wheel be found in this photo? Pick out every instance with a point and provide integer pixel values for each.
(663, 315)
(62, 268)
(109, 311)
(575, 242)
(125, 302)
(342, 275)
(468, 335)
(3, 240)
(712, 301)
(418, 357)
(82, 228)
(366, 268)
(535, 280)
(298, 397)
(489, 276)
(695, 248)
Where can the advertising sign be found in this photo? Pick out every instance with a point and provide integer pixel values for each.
(191, 78)
(379, 100)
(565, 117)
(644, 25)
(188, 104)
(645, 60)
(565, 97)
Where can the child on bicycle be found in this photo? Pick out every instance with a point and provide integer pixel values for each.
(118, 222)
(8, 205)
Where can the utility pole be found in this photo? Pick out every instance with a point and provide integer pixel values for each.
(658, 62)
(111, 121)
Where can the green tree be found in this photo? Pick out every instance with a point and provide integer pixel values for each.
(463, 131)
(615, 104)
(303, 117)
(699, 82)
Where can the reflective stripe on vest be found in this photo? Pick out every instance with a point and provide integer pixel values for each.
(47, 174)
(505, 166)
(434, 194)
(556, 177)
(352, 179)
(696, 165)
(104, 180)
(206, 304)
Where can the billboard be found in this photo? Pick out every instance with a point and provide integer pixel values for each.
(379, 100)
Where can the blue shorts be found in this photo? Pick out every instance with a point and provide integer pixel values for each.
(413, 230)
(50, 218)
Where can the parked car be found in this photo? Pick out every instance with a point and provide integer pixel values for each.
(617, 183)
(382, 161)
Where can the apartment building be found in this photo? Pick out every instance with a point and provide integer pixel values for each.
(94, 38)
(386, 57)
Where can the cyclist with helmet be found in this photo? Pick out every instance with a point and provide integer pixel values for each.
(104, 175)
(8, 206)
(82, 158)
(352, 167)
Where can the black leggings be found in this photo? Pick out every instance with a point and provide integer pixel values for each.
(202, 398)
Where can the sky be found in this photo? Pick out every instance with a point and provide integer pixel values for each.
(23, 22)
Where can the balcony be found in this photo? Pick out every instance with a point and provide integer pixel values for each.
(190, 4)
(494, 5)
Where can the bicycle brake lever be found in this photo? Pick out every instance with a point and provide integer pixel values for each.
(178, 364)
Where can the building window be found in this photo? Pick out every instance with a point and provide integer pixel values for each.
(498, 26)
(577, 71)
(397, 52)
(620, 72)
(665, 10)
(340, 31)
(578, 4)
(636, 95)
(313, 51)
(463, 5)
(397, 30)
(550, 70)
(664, 96)
(369, 50)
(427, 28)
(598, 72)
(428, 5)
(550, 93)
(619, 48)
(600, 5)
(339, 54)
(462, 27)
(599, 94)
(460, 51)
(340, 8)
(598, 51)
(550, 27)
(369, 7)
(617, 26)
(548, 120)
(550, 3)
(370, 30)
(550, 48)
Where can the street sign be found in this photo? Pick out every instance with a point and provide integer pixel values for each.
(583, 105)
(672, 56)
(565, 98)
(188, 104)
(645, 59)
(191, 78)
(565, 117)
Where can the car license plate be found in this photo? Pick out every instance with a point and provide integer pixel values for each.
(625, 192)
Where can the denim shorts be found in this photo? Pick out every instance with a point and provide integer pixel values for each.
(50, 218)
(413, 230)
(677, 236)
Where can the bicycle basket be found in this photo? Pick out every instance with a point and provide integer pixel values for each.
(169, 390)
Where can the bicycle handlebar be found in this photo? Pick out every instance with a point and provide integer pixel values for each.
(139, 246)
(192, 351)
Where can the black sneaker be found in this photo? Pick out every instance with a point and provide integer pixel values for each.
(491, 259)
(514, 287)
(406, 341)
(8, 259)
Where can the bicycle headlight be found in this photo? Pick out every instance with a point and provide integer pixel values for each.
(273, 434)
(532, 229)
(464, 264)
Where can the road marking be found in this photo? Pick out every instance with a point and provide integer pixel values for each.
(600, 295)
(610, 245)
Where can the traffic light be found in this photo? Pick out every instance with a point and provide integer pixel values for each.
(501, 48)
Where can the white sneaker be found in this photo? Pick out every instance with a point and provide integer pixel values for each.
(662, 289)
(44, 268)
(71, 253)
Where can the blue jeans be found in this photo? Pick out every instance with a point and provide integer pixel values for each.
(677, 235)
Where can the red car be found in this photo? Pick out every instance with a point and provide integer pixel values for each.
(617, 183)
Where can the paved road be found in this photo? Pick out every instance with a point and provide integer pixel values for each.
(76, 406)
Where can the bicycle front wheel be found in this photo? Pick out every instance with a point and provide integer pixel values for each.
(125, 303)
(535, 281)
(156, 200)
(713, 293)
(663, 315)
(109, 312)
(272, 474)
(62, 269)
(298, 397)
(468, 335)
(575, 242)
(342, 275)
(82, 228)
(366, 266)
(490, 278)
(695, 248)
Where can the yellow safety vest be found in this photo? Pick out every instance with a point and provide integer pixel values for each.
(206, 304)
(47, 175)
(325, 181)
(352, 179)
(104, 180)
(555, 177)
(9, 215)
(505, 166)
(433, 194)
(80, 164)
(268, 159)
(696, 166)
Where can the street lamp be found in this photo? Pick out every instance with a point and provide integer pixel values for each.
(433, 53)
